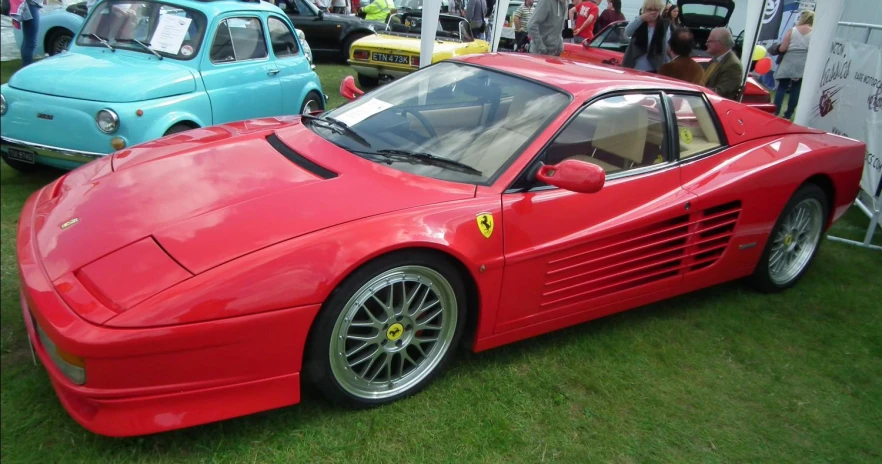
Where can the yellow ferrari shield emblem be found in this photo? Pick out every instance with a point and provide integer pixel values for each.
(685, 135)
(395, 331)
(485, 224)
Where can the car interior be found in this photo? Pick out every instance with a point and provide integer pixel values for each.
(238, 42)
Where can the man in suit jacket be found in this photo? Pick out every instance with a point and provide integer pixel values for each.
(724, 73)
(682, 66)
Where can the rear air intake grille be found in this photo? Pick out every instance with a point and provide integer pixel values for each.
(713, 232)
(299, 159)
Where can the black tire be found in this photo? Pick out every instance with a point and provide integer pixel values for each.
(762, 279)
(312, 96)
(347, 45)
(24, 168)
(57, 41)
(367, 81)
(317, 363)
(179, 127)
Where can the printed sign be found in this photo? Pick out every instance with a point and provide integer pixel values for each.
(849, 100)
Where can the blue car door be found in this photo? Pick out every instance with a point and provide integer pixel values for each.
(294, 68)
(239, 73)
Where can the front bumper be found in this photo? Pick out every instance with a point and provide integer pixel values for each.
(141, 381)
(49, 155)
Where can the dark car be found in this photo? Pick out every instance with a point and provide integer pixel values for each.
(328, 33)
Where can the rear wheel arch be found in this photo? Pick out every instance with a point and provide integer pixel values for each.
(826, 184)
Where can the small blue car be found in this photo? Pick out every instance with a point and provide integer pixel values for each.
(142, 69)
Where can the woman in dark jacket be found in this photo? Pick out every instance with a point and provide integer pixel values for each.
(648, 49)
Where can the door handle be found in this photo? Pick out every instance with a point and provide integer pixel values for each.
(272, 72)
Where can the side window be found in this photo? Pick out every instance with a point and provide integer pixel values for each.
(282, 38)
(615, 39)
(618, 133)
(238, 39)
(695, 125)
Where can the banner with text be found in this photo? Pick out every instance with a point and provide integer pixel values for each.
(849, 100)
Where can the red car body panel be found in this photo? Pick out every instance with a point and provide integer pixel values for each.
(190, 305)
(754, 94)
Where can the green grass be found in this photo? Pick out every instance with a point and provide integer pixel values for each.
(722, 375)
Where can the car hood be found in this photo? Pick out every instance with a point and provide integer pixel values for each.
(393, 43)
(208, 196)
(354, 21)
(119, 78)
(705, 13)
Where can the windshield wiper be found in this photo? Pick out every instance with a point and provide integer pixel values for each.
(342, 126)
(141, 44)
(392, 155)
(102, 39)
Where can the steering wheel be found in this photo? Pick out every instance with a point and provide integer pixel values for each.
(423, 121)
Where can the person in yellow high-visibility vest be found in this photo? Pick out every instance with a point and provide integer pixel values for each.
(378, 10)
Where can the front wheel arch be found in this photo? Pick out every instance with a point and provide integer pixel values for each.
(471, 301)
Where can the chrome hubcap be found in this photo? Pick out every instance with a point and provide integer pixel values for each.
(795, 240)
(393, 332)
(310, 106)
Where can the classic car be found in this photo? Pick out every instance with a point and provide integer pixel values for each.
(609, 45)
(58, 27)
(395, 51)
(142, 69)
(329, 34)
(56, 30)
(479, 201)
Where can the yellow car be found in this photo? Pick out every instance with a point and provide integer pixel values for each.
(395, 52)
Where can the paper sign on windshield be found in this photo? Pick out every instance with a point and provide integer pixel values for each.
(364, 111)
(170, 34)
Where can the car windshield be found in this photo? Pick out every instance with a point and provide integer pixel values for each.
(465, 123)
(412, 24)
(145, 27)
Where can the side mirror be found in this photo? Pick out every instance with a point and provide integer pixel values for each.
(574, 175)
(348, 89)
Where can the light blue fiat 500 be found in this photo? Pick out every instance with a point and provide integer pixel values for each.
(142, 69)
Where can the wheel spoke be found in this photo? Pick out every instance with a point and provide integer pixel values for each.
(376, 322)
(422, 310)
(362, 338)
(364, 358)
(421, 340)
(422, 301)
(357, 349)
(424, 324)
(420, 347)
(386, 309)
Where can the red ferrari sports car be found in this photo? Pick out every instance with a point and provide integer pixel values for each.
(479, 201)
(609, 45)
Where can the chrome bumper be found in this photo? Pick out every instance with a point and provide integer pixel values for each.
(50, 151)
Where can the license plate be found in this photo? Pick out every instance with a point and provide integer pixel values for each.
(21, 155)
(390, 58)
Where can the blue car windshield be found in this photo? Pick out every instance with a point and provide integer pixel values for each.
(145, 26)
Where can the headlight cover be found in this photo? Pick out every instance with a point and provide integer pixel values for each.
(107, 120)
(2, 104)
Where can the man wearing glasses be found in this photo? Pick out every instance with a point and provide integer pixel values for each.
(723, 75)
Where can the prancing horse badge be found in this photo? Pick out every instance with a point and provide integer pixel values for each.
(485, 224)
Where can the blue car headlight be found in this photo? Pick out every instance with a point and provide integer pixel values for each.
(107, 121)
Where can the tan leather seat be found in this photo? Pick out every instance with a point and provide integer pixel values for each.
(621, 131)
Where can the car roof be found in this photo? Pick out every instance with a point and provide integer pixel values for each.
(215, 7)
(582, 80)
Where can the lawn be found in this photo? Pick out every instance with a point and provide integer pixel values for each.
(722, 375)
